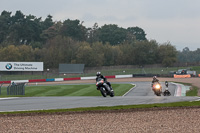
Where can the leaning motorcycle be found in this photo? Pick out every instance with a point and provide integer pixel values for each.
(157, 88)
(166, 92)
(104, 88)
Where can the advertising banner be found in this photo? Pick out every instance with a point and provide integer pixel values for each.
(21, 66)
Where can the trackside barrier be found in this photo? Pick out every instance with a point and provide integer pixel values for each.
(113, 76)
(37, 80)
(5, 82)
(16, 89)
(19, 81)
(89, 78)
(77, 78)
(50, 80)
(86, 78)
(182, 76)
(124, 76)
(59, 79)
(145, 75)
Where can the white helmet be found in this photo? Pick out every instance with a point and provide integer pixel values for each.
(98, 73)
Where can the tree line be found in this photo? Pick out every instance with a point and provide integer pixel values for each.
(28, 38)
(186, 55)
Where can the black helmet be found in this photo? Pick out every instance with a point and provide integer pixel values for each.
(98, 73)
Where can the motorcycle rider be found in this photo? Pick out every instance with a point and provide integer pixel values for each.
(166, 92)
(99, 75)
(154, 80)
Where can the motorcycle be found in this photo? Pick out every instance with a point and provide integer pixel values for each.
(166, 92)
(104, 88)
(157, 88)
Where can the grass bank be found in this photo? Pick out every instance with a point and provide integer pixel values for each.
(68, 90)
(123, 107)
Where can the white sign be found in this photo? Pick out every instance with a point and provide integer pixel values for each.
(21, 66)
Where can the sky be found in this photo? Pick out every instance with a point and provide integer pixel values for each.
(174, 21)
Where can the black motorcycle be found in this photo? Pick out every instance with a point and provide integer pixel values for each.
(104, 88)
(166, 92)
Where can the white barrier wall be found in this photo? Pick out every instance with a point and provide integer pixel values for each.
(123, 76)
(86, 78)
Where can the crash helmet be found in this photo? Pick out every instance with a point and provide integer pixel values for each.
(98, 74)
(154, 77)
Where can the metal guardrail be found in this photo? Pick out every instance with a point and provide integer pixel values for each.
(16, 89)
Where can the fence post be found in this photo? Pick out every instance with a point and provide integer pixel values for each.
(0, 88)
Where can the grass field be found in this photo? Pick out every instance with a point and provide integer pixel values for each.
(69, 90)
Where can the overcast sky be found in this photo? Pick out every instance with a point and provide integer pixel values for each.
(174, 21)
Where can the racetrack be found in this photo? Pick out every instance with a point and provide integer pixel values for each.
(141, 94)
(156, 120)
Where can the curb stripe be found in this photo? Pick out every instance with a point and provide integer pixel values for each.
(113, 76)
(37, 80)
(77, 78)
(85, 78)
(123, 76)
(59, 79)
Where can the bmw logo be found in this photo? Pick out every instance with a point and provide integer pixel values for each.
(9, 66)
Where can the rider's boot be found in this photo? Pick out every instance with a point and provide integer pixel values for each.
(111, 88)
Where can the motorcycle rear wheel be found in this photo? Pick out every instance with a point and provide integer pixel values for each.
(112, 94)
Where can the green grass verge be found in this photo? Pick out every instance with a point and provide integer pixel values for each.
(123, 107)
(193, 90)
(68, 90)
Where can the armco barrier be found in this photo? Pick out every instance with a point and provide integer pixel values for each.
(113, 76)
(123, 76)
(77, 78)
(19, 81)
(5, 82)
(50, 80)
(87, 78)
(37, 80)
(59, 79)
(182, 76)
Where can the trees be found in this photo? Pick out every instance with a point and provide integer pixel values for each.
(112, 34)
(74, 29)
(186, 55)
(4, 25)
(167, 54)
(28, 38)
(137, 32)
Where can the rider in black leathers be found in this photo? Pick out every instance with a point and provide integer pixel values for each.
(154, 80)
(99, 75)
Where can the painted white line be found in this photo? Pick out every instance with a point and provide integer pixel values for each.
(129, 90)
(197, 99)
(8, 98)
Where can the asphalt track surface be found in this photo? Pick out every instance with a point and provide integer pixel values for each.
(141, 94)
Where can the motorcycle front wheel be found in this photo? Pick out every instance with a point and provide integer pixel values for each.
(103, 91)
